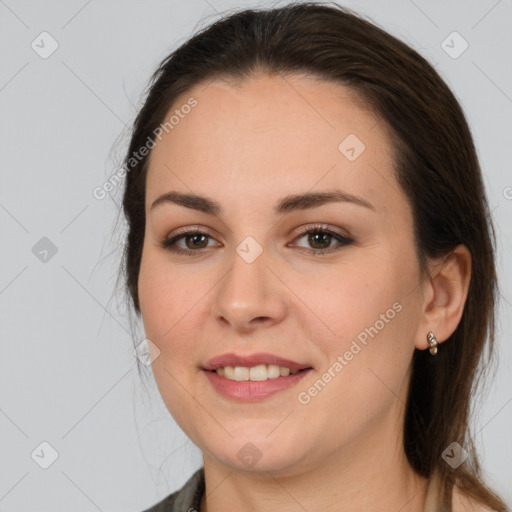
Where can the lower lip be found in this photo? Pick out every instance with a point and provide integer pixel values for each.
(252, 391)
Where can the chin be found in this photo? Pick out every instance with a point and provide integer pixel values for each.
(254, 461)
(259, 453)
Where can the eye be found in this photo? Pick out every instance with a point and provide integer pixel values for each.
(319, 237)
(194, 239)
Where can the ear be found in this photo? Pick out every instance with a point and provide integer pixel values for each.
(445, 293)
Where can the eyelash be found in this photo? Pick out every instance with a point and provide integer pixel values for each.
(169, 244)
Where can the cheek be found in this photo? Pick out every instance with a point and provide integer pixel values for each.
(371, 314)
(168, 298)
(364, 378)
(165, 299)
(352, 296)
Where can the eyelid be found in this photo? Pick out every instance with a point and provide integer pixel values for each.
(183, 232)
(196, 229)
(321, 227)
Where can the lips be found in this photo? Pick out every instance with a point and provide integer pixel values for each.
(251, 360)
(260, 369)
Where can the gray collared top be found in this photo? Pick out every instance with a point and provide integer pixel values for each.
(186, 499)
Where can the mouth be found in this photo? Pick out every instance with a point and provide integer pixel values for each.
(256, 373)
(255, 377)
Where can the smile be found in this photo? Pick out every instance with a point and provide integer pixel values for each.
(253, 377)
(255, 373)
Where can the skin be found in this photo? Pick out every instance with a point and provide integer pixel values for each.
(247, 146)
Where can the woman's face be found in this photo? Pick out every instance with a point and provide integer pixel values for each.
(257, 287)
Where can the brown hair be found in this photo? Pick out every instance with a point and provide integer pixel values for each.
(435, 164)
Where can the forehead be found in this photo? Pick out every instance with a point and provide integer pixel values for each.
(260, 136)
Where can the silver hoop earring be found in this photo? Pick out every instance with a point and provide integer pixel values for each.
(432, 341)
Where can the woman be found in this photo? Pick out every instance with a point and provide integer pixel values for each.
(311, 254)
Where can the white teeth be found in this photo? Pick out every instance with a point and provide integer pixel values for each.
(255, 373)
(258, 372)
(273, 371)
(241, 373)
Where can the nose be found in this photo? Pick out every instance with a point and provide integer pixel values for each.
(250, 295)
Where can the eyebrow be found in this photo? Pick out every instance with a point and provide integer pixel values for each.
(285, 205)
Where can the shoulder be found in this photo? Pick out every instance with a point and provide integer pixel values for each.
(186, 499)
(165, 505)
(463, 503)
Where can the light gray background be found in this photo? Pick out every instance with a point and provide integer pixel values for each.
(67, 372)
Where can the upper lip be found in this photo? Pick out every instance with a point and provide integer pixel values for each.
(250, 360)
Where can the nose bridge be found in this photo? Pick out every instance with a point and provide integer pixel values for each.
(249, 292)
